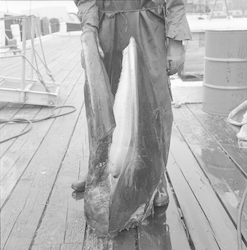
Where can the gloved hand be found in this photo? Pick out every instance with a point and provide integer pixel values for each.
(175, 56)
(86, 28)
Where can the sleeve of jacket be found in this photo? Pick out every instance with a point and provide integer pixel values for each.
(177, 24)
(88, 12)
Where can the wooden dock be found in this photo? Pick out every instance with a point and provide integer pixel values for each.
(39, 211)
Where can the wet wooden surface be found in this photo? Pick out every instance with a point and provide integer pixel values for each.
(39, 210)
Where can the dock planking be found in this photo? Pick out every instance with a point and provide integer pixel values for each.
(164, 229)
(2, 105)
(213, 217)
(73, 246)
(64, 210)
(40, 211)
(195, 220)
(76, 91)
(39, 179)
(226, 179)
(178, 232)
(25, 146)
(224, 134)
(12, 66)
(59, 71)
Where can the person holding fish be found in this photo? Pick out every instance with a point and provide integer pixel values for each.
(158, 28)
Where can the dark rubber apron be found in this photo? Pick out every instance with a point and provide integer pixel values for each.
(120, 20)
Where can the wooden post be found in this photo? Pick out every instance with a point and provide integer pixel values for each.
(23, 75)
(32, 26)
(227, 12)
(212, 11)
(2, 30)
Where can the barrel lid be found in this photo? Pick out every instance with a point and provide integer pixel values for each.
(218, 24)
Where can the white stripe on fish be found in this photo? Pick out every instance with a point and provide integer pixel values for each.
(125, 110)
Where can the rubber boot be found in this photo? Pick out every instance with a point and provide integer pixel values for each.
(79, 186)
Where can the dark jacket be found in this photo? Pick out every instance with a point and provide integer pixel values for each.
(150, 23)
(177, 25)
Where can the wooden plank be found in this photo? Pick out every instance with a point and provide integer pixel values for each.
(7, 113)
(38, 181)
(51, 52)
(64, 221)
(92, 242)
(178, 232)
(72, 246)
(56, 57)
(61, 75)
(2, 105)
(215, 213)
(67, 53)
(71, 51)
(125, 240)
(27, 145)
(9, 130)
(75, 164)
(163, 229)
(227, 181)
(58, 71)
(224, 134)
(198, 226)
(212, 158)
(18, 128)
(9, 64)
(9, 110)
(47, 247)
(54, 61)
(55, 64)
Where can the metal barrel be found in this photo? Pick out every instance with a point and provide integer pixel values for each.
(225, 71)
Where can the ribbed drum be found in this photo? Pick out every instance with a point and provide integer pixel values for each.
(225, 71)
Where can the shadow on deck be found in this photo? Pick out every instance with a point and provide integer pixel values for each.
(39, 211)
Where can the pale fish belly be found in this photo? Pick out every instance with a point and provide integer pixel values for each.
(125, 112)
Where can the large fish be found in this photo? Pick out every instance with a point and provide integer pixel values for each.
(135, 155)
(125, 165)
(101, 123)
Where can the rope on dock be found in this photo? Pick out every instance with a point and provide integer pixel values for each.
(30, 122)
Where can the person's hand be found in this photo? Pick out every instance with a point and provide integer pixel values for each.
(86, 28)
(175, 56)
